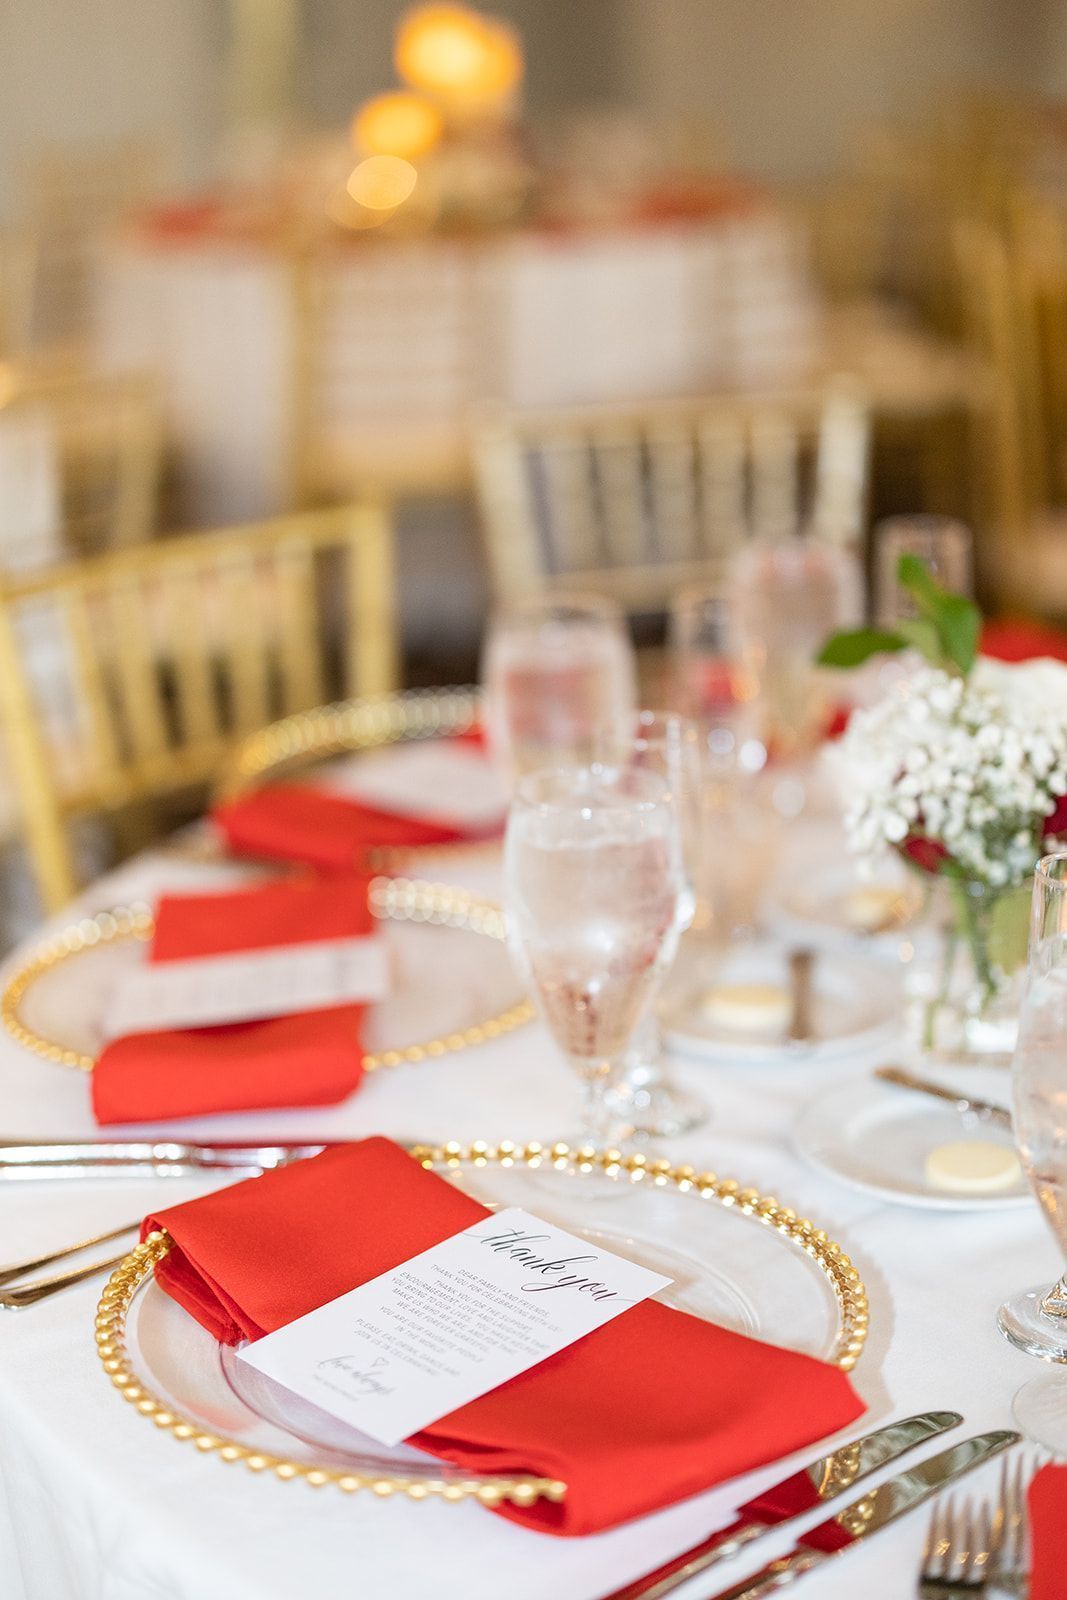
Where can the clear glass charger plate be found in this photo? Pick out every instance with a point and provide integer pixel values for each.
(441, 1000)
(736, 1258)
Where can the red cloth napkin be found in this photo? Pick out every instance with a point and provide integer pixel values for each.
(291, 822)
(1018, 639)
(313, 1058)
(652, 1407)
(1048, 1534)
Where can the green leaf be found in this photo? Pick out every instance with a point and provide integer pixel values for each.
(1009, 926)
(960, 626)
(853, 648)
(925, 637)
(957, 620)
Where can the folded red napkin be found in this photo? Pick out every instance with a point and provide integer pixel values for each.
(292, 822)
(652, 1407)
(313, 1058)
(1048, 1534)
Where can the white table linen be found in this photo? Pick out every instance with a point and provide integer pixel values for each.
(424, 330)
(96, 1505)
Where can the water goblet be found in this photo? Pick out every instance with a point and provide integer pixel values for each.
(594, 877)
(556, 669)
(1036, 1320)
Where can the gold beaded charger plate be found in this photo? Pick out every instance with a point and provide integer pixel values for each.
(737, 1258)
(442, 1000)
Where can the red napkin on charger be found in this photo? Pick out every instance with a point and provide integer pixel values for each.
(295, 822)
(1048, 1534)
(652, 1407)
(307, 1059)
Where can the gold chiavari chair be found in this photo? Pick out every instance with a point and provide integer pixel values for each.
(177, 650)
(1014, 295)
(635, 501)
(18, 273)
(102, 439)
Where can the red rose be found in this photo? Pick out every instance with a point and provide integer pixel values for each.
(1056, 821)
(929, 855)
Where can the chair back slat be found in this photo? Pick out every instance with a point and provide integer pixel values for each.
(90, 685)
(300, 666)
(672, 491)
(135, 661)
(773, 458)
(180, 606)
(618, 453)
(724, 517)
(241, 640)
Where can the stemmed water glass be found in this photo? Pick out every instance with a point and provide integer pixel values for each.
(557, 668)
(644, 1097)
(1036, 1320)
(943, 543)
(594, 877)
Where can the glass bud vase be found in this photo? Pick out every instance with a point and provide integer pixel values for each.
(966, 976)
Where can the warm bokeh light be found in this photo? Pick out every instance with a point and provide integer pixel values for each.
(381, 183)
(458, 54)
(399, 123)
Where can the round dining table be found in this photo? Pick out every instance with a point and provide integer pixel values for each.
(96, 1504)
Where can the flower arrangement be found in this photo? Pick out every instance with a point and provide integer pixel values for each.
(961, 769)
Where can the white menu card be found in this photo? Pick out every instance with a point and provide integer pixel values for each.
(458, 1320)
(454, 784)
(249, 985)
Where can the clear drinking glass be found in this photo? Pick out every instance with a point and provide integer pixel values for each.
(711, 683)
(1036, 1320)
(789, 596)
(644, 1098)
(593, 876)
(944, 543)
(557, 669)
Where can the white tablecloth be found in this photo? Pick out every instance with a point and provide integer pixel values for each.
(417, 333)
(96, 1505)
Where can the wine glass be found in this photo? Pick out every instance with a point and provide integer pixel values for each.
(945, 545)
(1036, 1320)
(593, 876)
(557, 668)
(660, 741)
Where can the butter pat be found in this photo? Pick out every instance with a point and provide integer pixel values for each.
(972, 1166)
(753, 1008)
(871, 908)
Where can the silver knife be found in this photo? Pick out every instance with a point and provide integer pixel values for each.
(984, 1110)
(822, 1480)
(869, 1514)
(62, 1158)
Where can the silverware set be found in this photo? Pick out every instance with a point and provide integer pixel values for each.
(28, 1294)
(830, 1477)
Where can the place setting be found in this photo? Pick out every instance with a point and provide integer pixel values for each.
(533, 794)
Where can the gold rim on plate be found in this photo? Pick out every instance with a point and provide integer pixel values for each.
(849, 1293)
(391, 899)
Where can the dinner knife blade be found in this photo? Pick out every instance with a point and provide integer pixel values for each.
(984, 1110)
(821, 1480)
(870, 1513)
(74, 1158)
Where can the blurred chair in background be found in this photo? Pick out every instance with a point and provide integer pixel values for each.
(175, 651)
(1014, 293)
(69, 197)
(636, 502)
(81, 461)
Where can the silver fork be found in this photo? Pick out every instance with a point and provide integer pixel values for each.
(956, 1555)
(28, 1294)
(1010, 1565)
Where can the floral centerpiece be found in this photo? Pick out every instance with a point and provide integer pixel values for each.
(962, 770)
